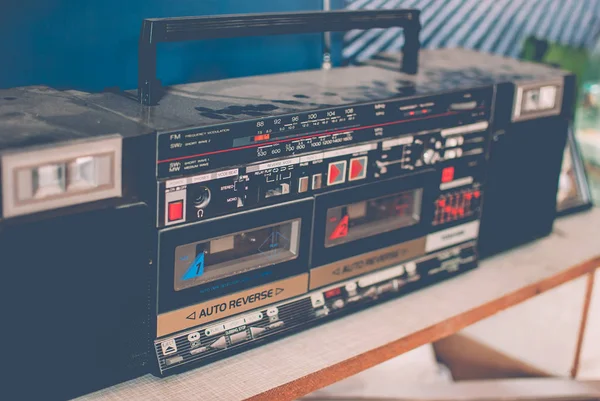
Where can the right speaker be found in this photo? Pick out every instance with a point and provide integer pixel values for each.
(531, 125)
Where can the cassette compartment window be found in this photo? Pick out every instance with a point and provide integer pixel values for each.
(373, 216)
(216, 258)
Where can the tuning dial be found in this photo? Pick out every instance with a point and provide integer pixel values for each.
(201, 197)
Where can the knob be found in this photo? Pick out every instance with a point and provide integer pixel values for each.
(428, 156)
(201, 197)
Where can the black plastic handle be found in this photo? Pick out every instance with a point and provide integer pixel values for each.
(156, 30)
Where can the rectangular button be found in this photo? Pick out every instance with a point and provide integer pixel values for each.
(255, 317)
(168, 347)
(303, 184)
(238, 337)
(232, 324)
(197, 351)
(336, 173)
(176, 210)
(174, 360)
(317, 181)
(49, 180)
(358, 168)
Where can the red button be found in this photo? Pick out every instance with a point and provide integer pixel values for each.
(336, 173)
(357, 168)
(448, 174)
(176, 210)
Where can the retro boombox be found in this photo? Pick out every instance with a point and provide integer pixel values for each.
(159, 231)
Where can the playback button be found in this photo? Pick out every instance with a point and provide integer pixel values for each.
(336, 173)
(358, 168)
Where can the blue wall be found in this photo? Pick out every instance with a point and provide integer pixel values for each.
(92, 44)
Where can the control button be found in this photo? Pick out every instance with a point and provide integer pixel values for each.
(281, 189)
(411, 268)
(547, 97)
(174, 360)
(48, 180)
(459, 152)
(451, 142)
(460, 140)
(450, 154)
(234, 323)
(168, 347)
(447, 174)
(385, 287)
(338, 304)
(211, 331)
(351, 287)
(257, 331)
(358, 168)
(322, 312)
(275, 325)
(238, 337)
(82, 173)
(272, 312)
(317, 300)
(193, 337)
(253, 318)
(175, 210)
(428, 156)
(336, 173)
(317, 181)
(221, 343)
(371, 292)
(197, 351)
(303, 184)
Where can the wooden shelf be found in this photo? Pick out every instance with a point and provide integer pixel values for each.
(302, 363)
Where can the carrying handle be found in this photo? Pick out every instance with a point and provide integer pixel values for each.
(157, 30)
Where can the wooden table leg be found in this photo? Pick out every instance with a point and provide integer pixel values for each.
(584, 318)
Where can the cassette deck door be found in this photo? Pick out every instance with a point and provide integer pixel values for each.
(368, 221)
(232, 254)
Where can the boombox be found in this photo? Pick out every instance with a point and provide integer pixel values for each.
(161, 230)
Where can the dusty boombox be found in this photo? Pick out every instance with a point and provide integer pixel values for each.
(159, 231)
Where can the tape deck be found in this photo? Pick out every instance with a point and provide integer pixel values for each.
(266, 204)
